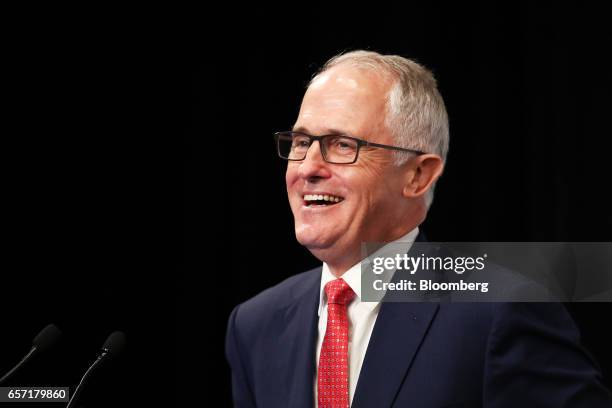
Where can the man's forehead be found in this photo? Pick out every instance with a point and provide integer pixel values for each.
(347, 99)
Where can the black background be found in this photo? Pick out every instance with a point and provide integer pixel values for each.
(142, 190)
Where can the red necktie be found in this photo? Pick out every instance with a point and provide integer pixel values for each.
(333, 380)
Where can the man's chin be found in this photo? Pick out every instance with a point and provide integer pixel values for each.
(323, 250)
(313, 244)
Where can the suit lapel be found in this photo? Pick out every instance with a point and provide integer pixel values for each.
(299, 344)
(397, 335)
(398, 332)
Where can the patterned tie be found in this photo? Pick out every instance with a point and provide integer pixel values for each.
(333, 382)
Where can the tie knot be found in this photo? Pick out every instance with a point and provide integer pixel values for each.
(338, 291)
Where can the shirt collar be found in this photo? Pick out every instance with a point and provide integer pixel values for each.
(353, 276)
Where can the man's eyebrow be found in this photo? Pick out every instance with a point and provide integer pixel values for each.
(328, 131)
(300, 129)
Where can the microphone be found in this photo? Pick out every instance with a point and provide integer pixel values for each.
(113, 345)
(42, 342)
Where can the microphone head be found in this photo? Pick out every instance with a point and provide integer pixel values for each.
(114, 344)
(46, 338)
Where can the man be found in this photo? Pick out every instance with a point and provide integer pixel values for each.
(364, 155)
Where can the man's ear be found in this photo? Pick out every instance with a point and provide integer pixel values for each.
(421, 173)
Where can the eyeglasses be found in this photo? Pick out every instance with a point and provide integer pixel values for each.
(335, 149)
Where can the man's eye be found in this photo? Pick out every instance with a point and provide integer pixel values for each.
(300, 143)
(343, 145)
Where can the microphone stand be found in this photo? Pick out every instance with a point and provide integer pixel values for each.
(74, 396)
(23, 360)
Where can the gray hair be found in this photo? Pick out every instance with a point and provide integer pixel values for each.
(416, 115)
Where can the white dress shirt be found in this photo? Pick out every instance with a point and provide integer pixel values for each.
(361, 315)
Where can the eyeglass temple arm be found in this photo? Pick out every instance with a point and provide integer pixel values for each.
(401, 149)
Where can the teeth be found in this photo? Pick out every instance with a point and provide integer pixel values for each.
(319, 197)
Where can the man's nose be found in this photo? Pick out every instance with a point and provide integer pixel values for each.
(313, 165)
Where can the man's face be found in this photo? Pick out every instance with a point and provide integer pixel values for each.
(353, 102)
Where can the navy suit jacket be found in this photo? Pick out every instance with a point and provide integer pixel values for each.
(426, 354)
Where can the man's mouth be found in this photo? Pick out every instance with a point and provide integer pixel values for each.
(321, 200)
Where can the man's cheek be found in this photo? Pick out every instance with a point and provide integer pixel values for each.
(295, 206)
(290, 177)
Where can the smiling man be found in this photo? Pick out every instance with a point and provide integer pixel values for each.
(374, 198)
(365, 152)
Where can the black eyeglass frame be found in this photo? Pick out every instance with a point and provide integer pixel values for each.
(360, 144)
